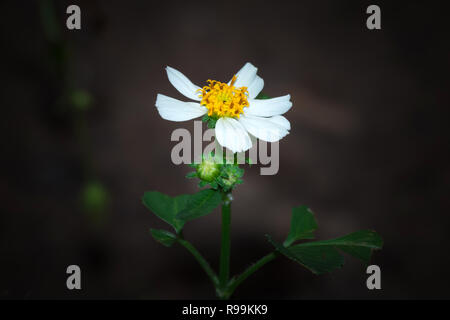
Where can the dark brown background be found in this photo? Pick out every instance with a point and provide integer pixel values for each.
(368, 146)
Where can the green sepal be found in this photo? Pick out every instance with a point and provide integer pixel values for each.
(212, 123)
(262, 95)
(214, 185)
(191, 175)
(202, 184)
(210, 120)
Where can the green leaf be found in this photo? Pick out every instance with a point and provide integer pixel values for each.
(166, 207)
(303, 225)
(324, 256)
(164, 237)
(318, 260)
(358, 244)
(200, 204)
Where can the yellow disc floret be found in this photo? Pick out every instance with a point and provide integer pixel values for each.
(223, 100)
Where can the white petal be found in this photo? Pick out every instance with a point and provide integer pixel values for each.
(281, 121)
(268, 107)
(246, 75)
(176, 110)
(232, 135)
(183, 84)
(246, 142)
(255, 87)
(267, 129)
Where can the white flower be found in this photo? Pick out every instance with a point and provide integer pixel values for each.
(234, 106)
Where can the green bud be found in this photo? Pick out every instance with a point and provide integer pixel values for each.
(230, 176)
(209, 169)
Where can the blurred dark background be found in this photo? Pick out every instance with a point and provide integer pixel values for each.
(81, 142)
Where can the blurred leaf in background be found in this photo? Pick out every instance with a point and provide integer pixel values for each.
(81, 100)
(95, 201)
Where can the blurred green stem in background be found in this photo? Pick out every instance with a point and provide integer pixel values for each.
(74, 103)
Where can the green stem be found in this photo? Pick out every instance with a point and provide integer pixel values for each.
(203, 263)
(235, 282)
(224, 272)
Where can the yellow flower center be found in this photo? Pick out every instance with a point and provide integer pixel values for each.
(223, 100)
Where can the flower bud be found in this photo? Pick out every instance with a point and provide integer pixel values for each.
(209, 169)
(230, 176)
